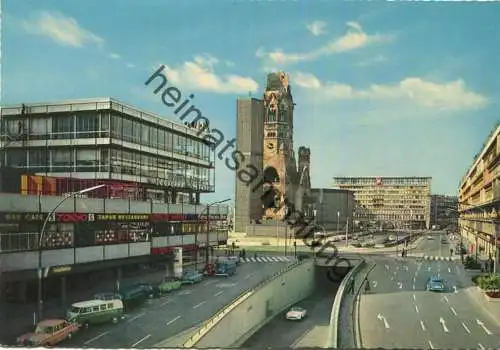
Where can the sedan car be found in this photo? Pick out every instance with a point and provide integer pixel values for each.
(296, 313)
(192, 277)
(435, 284)
(48, 333)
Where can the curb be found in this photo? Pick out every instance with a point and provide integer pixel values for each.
(358, 341)
(333, 336)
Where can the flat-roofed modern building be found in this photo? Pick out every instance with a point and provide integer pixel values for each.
(479, 199)
(391, 202)
(153, 172)
(334, 208)
(104, 139)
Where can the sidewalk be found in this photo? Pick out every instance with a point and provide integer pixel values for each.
(490, 307)
(16, 319)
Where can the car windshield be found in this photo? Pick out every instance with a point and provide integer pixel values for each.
(296, 309)
(436, 280)
(43, 330)
(74, 310)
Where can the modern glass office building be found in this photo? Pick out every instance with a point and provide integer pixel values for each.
(393, 202)
(60, 145)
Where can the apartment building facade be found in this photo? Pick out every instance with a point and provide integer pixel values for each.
(390, 202)
(479, 199)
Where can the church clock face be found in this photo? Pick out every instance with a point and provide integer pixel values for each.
(270, 146)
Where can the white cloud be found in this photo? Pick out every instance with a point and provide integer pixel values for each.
(317, 28)
(62, 29)
(372, 61)
(355, 38)
(114, 56)
(130, 65)
(453, 95)
(200, 74)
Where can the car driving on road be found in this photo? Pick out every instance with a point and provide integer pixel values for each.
(296, 313)
(435, 284)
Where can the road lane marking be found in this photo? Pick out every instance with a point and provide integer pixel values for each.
(165, 302)
(430, 344)
(208, 283)
(465, 327)
(414, 279)
(453, 310)
(95, 338)
(185, 292)
(382, 318)
(446, 299)
(480, 346)
(140, 340)
(392, 278)
(400, 285)
(173, 320)
(443, 323)
(416, 308)
(413, 287)
(248, 276)
(449, 270)
(136, 317)
(387, 267)
(481, 324)
(198, 305)
(218, 293)
(455, 289)
(422, 325)
(414, 297)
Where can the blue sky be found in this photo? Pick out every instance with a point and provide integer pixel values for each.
(382, 89)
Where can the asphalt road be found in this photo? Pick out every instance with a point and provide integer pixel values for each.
(399, 313)
(310, 332)
(167, 316)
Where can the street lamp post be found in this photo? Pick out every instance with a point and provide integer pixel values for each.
(338, 222)
(208, 226)
(346, 231)
(40, 240)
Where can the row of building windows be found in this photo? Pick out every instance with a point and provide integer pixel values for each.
(24, 237)
(124, 162)
(97, 124)
(384, 181)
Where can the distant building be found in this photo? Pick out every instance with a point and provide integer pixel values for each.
(444, 211)
(390, 202)
(479, 198)
(334, 208)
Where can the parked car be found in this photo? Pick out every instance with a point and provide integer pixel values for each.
(296, 313)
(169, 285)
(48, 333)
(192, 277)
(435, 284)
(153, 290)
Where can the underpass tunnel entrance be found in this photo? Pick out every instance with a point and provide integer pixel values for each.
(326, 281)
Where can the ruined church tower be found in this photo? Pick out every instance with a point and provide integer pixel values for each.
(279, 163)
